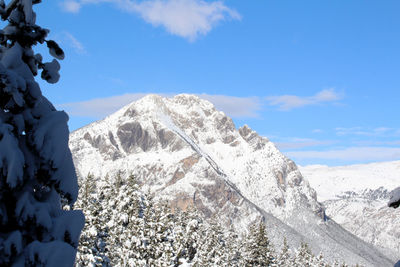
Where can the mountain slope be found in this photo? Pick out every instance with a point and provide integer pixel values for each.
(356, 197)
(186, 151)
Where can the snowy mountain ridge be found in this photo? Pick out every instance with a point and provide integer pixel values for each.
(186, 151)
(334, 181)
(356, 197)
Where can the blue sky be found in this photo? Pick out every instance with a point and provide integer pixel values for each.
(319, 78)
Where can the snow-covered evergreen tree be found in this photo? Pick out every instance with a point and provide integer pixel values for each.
(319, 261)
(258, 250)
(231, 253)
(304, 256)
(92, 243)
(187, 236)
(336, 263)
(36, 168)
(126, 227)
(163, 226)
(123, 212)
(211, 246)
(284, 258)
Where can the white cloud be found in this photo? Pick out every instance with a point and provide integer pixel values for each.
(349, 154)
(380, 131)
(289, 102)
(237, 107)
(74, 43)
(347, 131)
(99, 107)
(71, 6)
(185, 18)
(377, 143)
(317, 131)
(297, 143)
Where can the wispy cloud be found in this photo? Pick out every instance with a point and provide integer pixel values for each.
(349, 154)
(74, 6)
(99, 107)
(289, 102)
(185, 18)
(377, 143)
(297, 143)
(233, 106)
(74, 43)
(360, 131)
(237, 107)
(317, 131)
(68, 41)
(71, 6)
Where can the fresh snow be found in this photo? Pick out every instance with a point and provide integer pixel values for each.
(331, 182)
(186, 151)
(357, 196)
(36, 169)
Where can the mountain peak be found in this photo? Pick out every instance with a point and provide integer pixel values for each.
(188, 98)
(182, 105)
(184, 126)
(184, 150)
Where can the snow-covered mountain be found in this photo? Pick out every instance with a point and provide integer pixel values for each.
(356, 197)
(186, 151)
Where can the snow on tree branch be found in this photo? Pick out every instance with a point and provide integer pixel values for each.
(36, 169)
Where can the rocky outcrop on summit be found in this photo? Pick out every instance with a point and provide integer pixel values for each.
(186, 151)
(252, 138)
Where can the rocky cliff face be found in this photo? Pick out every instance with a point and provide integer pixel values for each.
(187, 152)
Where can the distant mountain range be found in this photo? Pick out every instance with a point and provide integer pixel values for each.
(356, 197)
(187, 152)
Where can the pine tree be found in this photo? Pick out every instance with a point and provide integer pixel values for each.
(284, 256)
(320, 261)
(126, 212)
(211, 246)
(150, 238)
(92, 244)
(179, 237)
(186, 234)
(36, 168)
(164, 228)
(139, 229)
(304, 256)
(258, 251)
(336, 263)
(231, 252)
(126, 227)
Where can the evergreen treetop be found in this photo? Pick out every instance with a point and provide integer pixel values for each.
(36, 168)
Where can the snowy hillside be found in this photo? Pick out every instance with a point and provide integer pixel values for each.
(186, 151)
(330, 182)
(356, 197)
